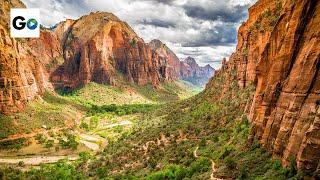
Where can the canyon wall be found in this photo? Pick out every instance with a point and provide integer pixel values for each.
(278, 52)
(23, 77)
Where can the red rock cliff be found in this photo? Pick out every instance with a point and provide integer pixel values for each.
(279, 52)
(99, 47)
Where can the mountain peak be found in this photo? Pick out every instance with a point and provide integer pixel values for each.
(156, 43)
(208, 66)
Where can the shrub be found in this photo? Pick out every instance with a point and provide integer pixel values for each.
(49, 143)
(230, 162)
(293, 167)
(276, 165)
(243, 173)
(13, 144)
(122, 109)
(41, 138)
(84, 126)
(133, 42)
(94, 121)
(70, 143)
(21, 164)
(84, 156)
(170, 172)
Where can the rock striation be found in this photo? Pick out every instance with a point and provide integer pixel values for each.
(278, 52)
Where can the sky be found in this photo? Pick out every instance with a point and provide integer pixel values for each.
(203, 29)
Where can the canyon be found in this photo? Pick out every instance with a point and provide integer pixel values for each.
(259, 113)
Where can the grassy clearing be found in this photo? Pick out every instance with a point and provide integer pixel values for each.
(100, 94)
(168, 92)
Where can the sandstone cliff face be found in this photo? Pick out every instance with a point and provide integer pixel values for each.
(173, 63)
(99, 47)
(279, 51)
(22, 76)
(187, 70)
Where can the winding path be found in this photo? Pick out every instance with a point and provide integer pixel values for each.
(213, 165)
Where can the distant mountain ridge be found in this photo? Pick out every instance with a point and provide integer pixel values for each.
(192, 72)
(187, 70)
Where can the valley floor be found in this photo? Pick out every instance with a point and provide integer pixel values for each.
(202, 137)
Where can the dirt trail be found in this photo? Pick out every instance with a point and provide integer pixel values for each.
(35, 132)
(30, 135)
(213, 165)
(37, 160)
(121, 123)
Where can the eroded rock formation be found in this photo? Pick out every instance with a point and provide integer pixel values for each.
(100, 47)
(279, 52)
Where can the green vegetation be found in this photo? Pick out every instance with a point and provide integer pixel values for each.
(133, 42)
(13, 144)
(41, 138)
(7, 127)
(84, 126)
(164, 140)
(176, 140)
(122, 109)
(68, 141)
(268, 18)
(100, 94)
(49, 143)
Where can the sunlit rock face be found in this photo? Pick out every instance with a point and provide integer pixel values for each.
(278, 51)
(23, 75)
(100, 47)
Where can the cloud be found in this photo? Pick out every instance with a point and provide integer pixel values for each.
(204, 29)
(226, 11)
(156, 22)
(228, 15)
